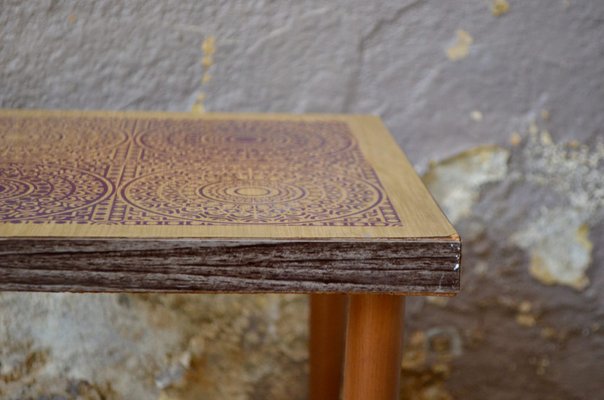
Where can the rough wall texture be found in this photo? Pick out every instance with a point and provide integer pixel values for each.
(498, 103)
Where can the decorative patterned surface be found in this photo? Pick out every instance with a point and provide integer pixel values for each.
(95, 170)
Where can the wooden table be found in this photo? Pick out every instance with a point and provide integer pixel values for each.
(320, 204)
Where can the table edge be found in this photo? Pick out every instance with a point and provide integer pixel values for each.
(402, 266)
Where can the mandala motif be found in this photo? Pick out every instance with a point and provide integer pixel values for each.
(45, 190)
(252, 192)
(13, 188)
(54, 138)
(199, 197)
(246, 140)
(153, 171)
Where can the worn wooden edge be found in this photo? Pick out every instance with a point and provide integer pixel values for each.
(406, 267)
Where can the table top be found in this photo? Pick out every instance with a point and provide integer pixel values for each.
(173, 190)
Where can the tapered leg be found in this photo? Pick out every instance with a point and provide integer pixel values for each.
(327, 334)
(374, 347)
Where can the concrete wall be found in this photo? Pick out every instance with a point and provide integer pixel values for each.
(498, 103)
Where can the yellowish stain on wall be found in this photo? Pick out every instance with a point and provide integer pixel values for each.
(427, 364)
(476, 116)
(525, 317)
(461, 48)
(208, 48)
(499, 7)
(440, 301)
(515, 139)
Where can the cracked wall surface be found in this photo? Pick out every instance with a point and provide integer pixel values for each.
(499, 105)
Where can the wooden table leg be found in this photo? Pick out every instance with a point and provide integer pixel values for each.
(374, 347)
(327, 335)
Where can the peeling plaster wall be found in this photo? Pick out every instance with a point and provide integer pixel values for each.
(498, 102)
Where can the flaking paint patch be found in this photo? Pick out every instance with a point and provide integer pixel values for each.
(559, 247)
(456, 182)
(557, 240)
(234, 346)
(572, 169)
(461, 48)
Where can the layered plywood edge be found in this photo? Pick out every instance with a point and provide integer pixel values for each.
(393, 266)
(106, 201)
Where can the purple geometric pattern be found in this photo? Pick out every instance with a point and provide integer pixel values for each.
(154, 171)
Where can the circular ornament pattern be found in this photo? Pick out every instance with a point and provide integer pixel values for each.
(38, 191)
(247, 192)
(245, 140)
(231, 199)
(12, 188)
(59, 136)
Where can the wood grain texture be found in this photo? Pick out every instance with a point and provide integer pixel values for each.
(374, 347)
(394, 266)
